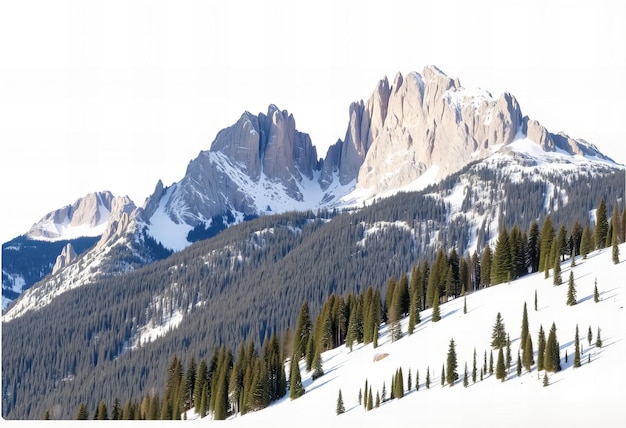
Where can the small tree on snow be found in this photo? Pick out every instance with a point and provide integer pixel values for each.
(571, 290)
(340, 406)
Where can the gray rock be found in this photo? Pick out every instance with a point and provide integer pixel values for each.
(67, 257)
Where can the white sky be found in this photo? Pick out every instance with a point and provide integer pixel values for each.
(115, 95)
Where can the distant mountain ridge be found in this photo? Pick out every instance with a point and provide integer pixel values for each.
(407, 135)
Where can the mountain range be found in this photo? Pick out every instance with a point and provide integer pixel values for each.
(259, 219)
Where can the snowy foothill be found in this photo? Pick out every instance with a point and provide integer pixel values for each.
(590, 395)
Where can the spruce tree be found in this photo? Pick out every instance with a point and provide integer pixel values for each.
(500, 368)
(498, 335)
(557, 278)
(303, 330)
(101, 412)
(318, 371)
(340, 406)
(452, 364)
(485, 267)
(365, 392)
(360, 396)
(409, 382)
(465, 379)
(541, 348)
(427, 377)
(596, 295)
(377, 404)
(491, 362)
(571, 290)
(399, 384)
(501, 265)
(370, 400)
(310, 353)
(576, 349)
(116, 412)
(614, 247)
(547, 236)
(417, 379)
(598, 339)
(464, 304)
(586, 242)
(552, 359)
(546, 382)
(443, 375)
(384, 393)
(519, 364)
(528, 353)
(474, 370)
(602, 225)
(296, 390)
(536, 301)
(436, 316)
(524, 332)
(507, 356)
(589, 336)
(83, 413)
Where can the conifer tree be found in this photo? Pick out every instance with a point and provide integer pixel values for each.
(310, 353)
(536, 300)
(474, 368)
(602, 225)
(576, 349)
(201, 380)
(395, 310)
(546, 382)
(370, 400)
(498, 335)
(541, 349)
(83, 413)
(116, 412)
(303, 331)
(464, 304)
(524, 332)
(500, 369)
(528, 353)
(399, 384)
(318, 371)
(101, 412)
(557, 278)
(465, 379)
(589, 336)
(360, 396)
(598, 339)
(452, 364)
(365, 392)
(384, 394)
(533, 247)
(296, 390)
(491, 362)
(443, 375)
(377, 404)
(485, 267)
(409, 383)
(614, 247)
(547, 236)
(571, 290)
(340, 406)
(436, 316)
(596, 295)
(417, 379)
(427, 377)
(519, 364)
(586, 242)
(507, 356)
(552, 359)
(501, 265)
(46, 415)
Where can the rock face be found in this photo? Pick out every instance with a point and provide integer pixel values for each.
(88, 212)
(432, 120)
(67, 256)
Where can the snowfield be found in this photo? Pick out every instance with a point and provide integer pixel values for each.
(591, 395)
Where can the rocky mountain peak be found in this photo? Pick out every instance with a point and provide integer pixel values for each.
(67, 256)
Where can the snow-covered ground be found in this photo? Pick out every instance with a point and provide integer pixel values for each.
(591, 395)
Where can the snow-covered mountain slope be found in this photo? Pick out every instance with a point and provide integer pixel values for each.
(584, 396)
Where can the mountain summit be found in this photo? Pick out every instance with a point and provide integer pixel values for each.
(409, 134)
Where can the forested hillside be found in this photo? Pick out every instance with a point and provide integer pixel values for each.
(249, 281)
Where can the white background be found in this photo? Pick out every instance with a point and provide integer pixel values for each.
(115, 95)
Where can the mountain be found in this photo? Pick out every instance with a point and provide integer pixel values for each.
(406, 136)
(29, 258)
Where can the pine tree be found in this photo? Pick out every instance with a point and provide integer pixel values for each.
(602, 225)
(586, 242)
(576, 349)
(384, 393)
(598, 339)
(399, 384)
(436, 316)
(501, 265)
(507, 357)
(370, 400)
(524, 332)
(533, 247)
(546, 382)
(541, 348)
(310, 353)
(528, 353)
(427, 377)
(491, 362)
(464, 304)
(596, 295)
(340, 406)
(589, 336)
(365, 392)
(409, 383)
(614, 236)
(443, 375)
(377, 404)
(498, 335)
(296, 390)
(452, 364)
(485, 267)
(46, 415)
(116, 413)
(395, 310)
(465, 379)
(201, 380)
(318, 371)
(547, 236)
(474, 368)
(536, 301)
(500, 369)
(519, 364)
(552, 359)
(417, 379)
(303, 331)
(557, 278)
(101, 412)
(83, 413)
(360, 396)
(571, 290)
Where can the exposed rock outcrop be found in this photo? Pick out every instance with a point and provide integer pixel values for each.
(67, 257)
